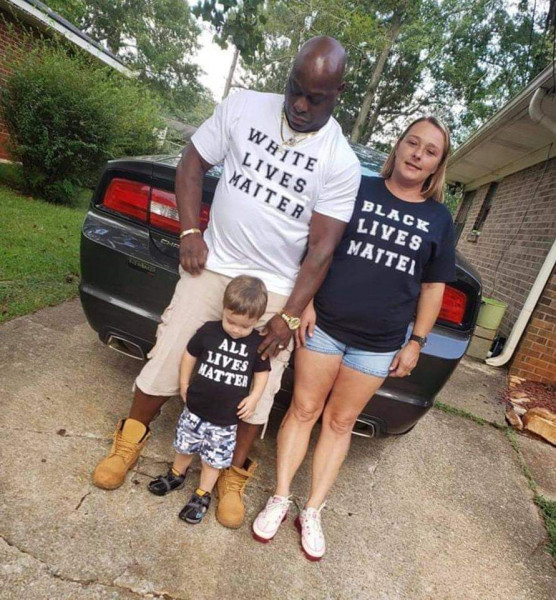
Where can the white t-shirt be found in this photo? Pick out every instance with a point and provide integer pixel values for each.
(262, 207)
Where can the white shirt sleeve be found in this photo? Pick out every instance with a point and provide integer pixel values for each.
(212, 139)
(339, 191)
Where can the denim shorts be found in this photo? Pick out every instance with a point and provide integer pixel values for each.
(215, 444)
(364, 361)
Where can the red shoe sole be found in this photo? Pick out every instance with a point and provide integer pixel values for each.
(263, 540)
(308, 556)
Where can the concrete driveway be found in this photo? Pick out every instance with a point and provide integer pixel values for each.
(441, 513)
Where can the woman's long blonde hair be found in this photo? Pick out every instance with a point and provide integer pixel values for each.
(433, 187)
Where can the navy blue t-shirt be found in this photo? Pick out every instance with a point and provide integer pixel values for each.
(389, 248)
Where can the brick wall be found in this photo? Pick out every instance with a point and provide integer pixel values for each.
(535, 357)
(522, 257)
(13, 41)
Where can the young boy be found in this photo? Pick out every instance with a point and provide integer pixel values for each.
(229, 382)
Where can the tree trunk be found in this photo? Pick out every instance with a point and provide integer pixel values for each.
(231, 74)
(375, 78)
(372, 122)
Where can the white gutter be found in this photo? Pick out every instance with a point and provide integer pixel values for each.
(505, 114)
(46, 20)
(526, 311)
(536, 113)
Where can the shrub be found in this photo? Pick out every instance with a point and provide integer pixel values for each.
(67, 115)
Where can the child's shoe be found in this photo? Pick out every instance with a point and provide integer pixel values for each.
(312, 537)
(270, 518)
(194, 511)
(164, 484)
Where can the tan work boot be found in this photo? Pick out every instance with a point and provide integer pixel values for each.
(230, 486)
(130, 438)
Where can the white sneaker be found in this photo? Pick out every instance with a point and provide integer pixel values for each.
(312, 537)
(270, 518)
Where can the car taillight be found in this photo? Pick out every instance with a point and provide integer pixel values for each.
(129, 198)
(164, 212)
(454, 304)
(204, 216)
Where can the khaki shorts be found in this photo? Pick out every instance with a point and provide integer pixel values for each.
(197, 300)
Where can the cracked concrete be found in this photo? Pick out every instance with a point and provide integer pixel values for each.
(442, 513)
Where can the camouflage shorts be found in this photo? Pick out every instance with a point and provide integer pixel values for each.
(215, 444)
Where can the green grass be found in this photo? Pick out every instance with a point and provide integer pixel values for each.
(458, 412)
(39, 252)
(548, 509)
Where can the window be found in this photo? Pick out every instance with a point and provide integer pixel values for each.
(483, 213)
(463, 211)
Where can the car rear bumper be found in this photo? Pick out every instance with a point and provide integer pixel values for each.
(127, 282)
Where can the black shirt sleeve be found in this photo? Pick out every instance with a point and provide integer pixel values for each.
(195, 345)
(441, 267)
(261, 364)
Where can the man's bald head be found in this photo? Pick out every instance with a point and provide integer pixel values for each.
(316, 80)
(325, 56)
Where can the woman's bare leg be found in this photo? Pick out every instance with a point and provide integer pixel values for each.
(351, 392)
(314, 376)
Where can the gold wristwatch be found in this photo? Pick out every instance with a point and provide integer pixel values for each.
(292, 322)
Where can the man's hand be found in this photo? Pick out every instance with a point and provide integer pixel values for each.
(193, 253)
(247, 406)
(307, 327)
(405, 360)
(277, 337)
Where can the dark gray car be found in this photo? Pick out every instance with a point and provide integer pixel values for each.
(129, 268)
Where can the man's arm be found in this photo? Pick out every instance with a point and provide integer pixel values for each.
(189, 190)
(325, 234)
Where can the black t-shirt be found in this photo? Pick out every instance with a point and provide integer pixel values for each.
(389, 248)
(224, 372)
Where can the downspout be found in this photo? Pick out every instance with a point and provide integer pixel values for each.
(526, 311)
(537, 116)
(536, 113)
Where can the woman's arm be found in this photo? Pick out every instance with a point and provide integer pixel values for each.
(428, 307)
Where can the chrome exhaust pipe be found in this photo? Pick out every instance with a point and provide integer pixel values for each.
(123, 346)
(369, 429)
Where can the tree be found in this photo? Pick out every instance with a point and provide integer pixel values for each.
(236, 22)
(155, 38)
(460, 59)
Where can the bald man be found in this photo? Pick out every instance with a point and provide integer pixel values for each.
(286, 193)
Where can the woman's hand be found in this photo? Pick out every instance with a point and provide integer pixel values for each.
(307, 327)
(405, 360)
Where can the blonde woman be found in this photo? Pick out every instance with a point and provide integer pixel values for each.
(390, 268)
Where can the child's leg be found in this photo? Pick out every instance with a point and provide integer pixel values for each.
(209, 475)
(174, 479)
(181, 463)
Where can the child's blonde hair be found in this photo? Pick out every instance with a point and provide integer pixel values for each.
(246, 295)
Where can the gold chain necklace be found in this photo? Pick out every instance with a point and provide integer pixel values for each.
(294, 139)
